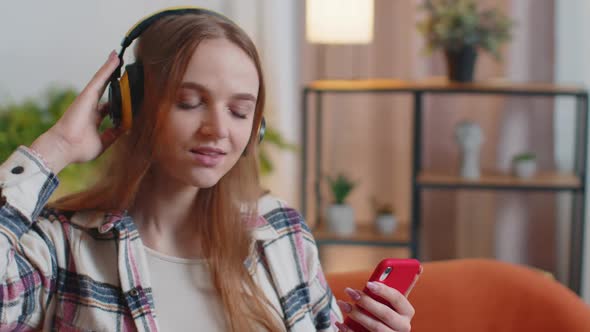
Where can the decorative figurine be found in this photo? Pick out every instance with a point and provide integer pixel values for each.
(469, 136)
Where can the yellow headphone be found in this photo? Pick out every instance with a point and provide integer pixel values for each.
(126, 92)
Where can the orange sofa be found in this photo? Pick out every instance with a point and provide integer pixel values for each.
(480, 295)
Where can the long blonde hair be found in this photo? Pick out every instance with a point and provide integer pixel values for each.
(165, 50)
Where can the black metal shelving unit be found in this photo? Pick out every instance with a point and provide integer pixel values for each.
(424, 180)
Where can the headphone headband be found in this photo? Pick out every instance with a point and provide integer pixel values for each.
(138, 28)
(145, 22)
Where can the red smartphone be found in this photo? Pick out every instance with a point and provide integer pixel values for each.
(400, 274)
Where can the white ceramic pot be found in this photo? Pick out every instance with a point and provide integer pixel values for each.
(341, 219)
(386, 224)
(525, 169)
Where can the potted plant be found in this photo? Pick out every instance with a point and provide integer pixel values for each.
(385, 219)
(460, 28)
(524, 165)
(340, 215)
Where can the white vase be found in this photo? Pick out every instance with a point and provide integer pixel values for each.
(341, 219)
(525, 168)
(386, 224)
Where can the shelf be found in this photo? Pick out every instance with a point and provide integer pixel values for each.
(544, 181)
(441, 84)
(365, 235)
(419, 90)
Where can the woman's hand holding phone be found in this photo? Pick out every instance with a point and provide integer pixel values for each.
(75, 137)
(382, 305)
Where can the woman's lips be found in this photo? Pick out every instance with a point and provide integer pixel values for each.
(208, 157)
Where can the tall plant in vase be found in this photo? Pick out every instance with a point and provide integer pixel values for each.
(461, 29)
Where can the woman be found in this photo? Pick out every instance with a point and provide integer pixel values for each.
(174, 236)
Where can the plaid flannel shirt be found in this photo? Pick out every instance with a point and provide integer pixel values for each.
(87, 271)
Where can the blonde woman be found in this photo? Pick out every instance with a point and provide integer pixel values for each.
(175, 235)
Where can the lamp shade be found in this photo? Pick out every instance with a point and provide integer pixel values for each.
(339, 21)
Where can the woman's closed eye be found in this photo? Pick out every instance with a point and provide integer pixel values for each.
(189, 105)
(239, 115)
(241, 109)
(187, 99)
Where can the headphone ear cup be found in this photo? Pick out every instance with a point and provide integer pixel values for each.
(130, 88)
(115, 102)
(261, 130)
(126, 107)
(135, 76)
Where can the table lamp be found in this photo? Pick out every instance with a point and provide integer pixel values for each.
(339, 22)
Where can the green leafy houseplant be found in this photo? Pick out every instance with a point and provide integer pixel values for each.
(459, 27)
(341, 187)
(272, 137)
(21, 123)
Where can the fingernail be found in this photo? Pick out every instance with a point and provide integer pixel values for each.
(112, 55)
(373, 286)
(344, 306)
(342, 327)
(353, 294)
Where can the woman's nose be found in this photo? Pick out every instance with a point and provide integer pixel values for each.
(214, 123)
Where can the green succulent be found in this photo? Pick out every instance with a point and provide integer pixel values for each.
(454, 24)
(341, 187)
(381, 208)
(524, 156)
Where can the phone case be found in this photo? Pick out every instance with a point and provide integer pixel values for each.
(400, 274)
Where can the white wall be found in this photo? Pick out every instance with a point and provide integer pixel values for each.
(571, 66)
(280, 53)
(64, 42)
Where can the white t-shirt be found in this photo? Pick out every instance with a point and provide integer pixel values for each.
(184, 296)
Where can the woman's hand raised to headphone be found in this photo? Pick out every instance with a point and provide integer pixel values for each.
(75, 137)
